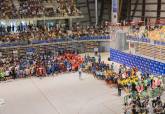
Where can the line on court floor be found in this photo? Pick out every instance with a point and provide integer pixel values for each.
(47, 99)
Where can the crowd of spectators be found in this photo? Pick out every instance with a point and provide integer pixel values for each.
(126, 79)
(31, 8)
(151, 32)
(37, 8)
(145, 106)
(157, 34)
(31, 32)
(67, 8)
(144, 90)
(7, 10)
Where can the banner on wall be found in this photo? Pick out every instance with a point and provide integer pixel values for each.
(30, 50)
(114, 11)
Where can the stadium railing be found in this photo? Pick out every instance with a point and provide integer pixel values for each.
(22, 43)
(145, 40)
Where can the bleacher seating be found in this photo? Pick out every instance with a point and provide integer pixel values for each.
(30, 9)
(7, 10)
(143, 64)
(155, 51)
(35, 34)
(37, 8)
(156, 35)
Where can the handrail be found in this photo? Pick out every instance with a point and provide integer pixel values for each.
(145, 40)
(55, 40)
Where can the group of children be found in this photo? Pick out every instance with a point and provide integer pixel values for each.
(129, 80)
(40, 66)
(145, 106)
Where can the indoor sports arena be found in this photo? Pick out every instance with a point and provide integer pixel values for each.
(82, 56)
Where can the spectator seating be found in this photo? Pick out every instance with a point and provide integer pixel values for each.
(157, 35)
(143, 64)
(149, 50)
(32, 8)
(7, 10)
(37, 8)
(31, 34)
(49, 12)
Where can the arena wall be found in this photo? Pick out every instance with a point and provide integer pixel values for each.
(150, 8)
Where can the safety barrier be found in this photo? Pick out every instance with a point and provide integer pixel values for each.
(145, 40)
(143, 64)
(55, 40)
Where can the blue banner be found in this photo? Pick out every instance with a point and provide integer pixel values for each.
(114, 6)
(30, 50)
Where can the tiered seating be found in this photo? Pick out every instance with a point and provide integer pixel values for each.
(149, 50)
(157, 35)
(40, 35)
(7, 10)
(31, 8)
(37, 8)
(49, 12)
(90, 46)
(143, 64)
(162, 51)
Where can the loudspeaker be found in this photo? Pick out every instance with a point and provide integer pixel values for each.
(109, 59)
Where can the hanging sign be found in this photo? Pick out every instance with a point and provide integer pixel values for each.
(114, 11)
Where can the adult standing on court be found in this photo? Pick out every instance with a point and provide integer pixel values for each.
(119, 86)
(80, 72)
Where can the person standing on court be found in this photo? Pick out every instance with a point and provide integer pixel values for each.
(99, 58)
(112, 66)
(13, 73)
(119, 87)
(80, 72)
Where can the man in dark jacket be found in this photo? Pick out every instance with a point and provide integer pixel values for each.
(13, 73)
